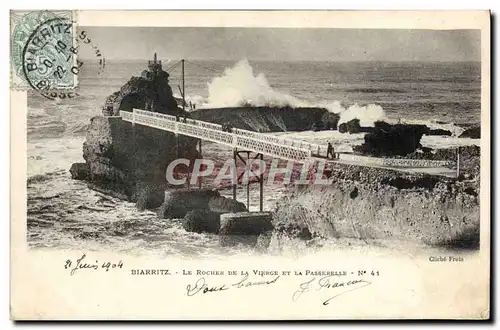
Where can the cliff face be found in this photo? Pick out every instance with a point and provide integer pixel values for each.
(269, 119)
(131, 162)
(368, 203)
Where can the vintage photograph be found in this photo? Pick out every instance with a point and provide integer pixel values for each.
(203, 143)
(389, 119)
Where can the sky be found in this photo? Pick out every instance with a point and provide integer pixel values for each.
(285, 44)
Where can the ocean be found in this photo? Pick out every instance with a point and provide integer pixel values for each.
(64, 213)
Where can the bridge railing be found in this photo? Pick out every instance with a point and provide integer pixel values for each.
(262, 143)
(314, 148)
(206, 131)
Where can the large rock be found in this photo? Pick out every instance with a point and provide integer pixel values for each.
(392, 140)
(352, 126)
(244, 227)
(330, 120)
(267, 118)
(472, 133)
(80, 171)
(200, 221)
(179, 202)
(131, 161)
(150, 91)
(221, 205)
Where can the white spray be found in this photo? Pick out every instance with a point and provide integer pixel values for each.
(239, 86)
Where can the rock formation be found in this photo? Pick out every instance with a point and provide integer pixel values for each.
(130, 162)
(370, 204)
(150, 92)
(473, 133)
(269, 119)
(244, 227)
(80, 171)
(392, 140)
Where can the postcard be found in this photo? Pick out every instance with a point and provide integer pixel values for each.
(250, 165)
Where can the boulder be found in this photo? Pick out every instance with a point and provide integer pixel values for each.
(392, 140)
(80, 171)
(201, 221)
(179, 202)
(244, 227)
(352, 126)
(222, 204)
(472, 133)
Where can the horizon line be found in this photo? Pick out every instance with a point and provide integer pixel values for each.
(277, 60)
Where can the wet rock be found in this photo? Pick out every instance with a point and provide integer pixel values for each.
(392, 140)
(80, 171)
(439, 131)
(352, 126)
(330, 120)
(149, 196)
(201, 221)
(473, 133)
(244, 227)
(179, 202)
(222, 204)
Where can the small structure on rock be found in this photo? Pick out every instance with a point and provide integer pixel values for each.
(150, 91)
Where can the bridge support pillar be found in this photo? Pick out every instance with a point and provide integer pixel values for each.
(260, 177)
(235, 152)
(201, 178)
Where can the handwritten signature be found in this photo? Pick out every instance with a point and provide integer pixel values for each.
(326, 283)
(201, 286)
(81, 263)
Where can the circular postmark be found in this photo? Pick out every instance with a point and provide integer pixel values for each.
(49, 56)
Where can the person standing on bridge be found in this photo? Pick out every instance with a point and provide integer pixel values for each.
(330, 152)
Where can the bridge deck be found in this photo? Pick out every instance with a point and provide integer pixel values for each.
(300, 151)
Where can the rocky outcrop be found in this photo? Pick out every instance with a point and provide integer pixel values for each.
(472, 133)
(269, 119)
(352, 126)
(392, 140)
(201, 221)
(131, 162)
(438, 131)
(80, 171)
(179, 202)
(150, 91)
(244, 227)
(376, 204)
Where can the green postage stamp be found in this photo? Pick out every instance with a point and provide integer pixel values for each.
(43, 50)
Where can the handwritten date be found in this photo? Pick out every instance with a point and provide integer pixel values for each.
(82, 263)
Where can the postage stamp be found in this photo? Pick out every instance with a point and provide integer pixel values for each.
(43, 50)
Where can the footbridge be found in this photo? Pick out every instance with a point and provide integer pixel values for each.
(244, 142)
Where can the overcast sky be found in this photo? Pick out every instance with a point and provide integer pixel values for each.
(284, 44)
